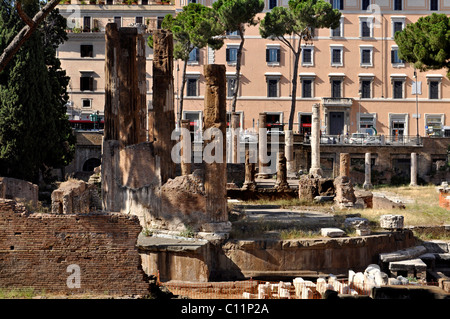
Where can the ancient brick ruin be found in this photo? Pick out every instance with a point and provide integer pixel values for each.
(38, 250)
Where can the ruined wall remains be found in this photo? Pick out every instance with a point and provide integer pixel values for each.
(20, 190)
(75, 197)
(37, 250)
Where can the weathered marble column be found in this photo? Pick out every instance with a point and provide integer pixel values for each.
(234, 138)
(368, 172)
(185, 149)
(215, 172)
(413, 169)
(163, 101)
(263, 159)
(289, 151)
(345, 194)
(281, 182)
(315, 169)
(249, 181)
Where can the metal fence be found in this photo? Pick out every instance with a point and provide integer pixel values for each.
(371, 140)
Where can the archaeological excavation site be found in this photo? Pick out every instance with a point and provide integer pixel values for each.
(157, 219)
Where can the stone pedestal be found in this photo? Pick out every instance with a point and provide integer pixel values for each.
(391, 222)
(345, 194)
(249, 182)
(281, 182)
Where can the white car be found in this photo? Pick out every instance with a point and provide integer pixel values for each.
(358, 138)
(372, 140)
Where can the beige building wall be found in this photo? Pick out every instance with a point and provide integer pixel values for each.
(377, 105)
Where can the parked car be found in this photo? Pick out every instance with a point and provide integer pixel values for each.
(372, 140)
(357, 138)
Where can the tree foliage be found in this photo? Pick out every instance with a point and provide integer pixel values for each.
(235, 15)
(193, 28)
(426, 43)
(35, 134)
(301, 18)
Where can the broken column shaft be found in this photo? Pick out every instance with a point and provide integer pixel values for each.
(368, 172)
(163, 101)
(215, 120)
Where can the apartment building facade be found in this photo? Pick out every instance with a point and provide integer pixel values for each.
(353, 71)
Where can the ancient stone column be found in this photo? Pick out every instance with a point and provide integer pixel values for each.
(163, 101)
(125, 99)
(215, 172)
(125, 104)
(281, 182)
(344, 164)
(289, 151)
(249, 181)
(234, 138)
(185, 146)
(263, 159)
(315, 169)
(368, 172)
(413, 169)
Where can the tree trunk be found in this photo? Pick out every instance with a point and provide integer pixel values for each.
(183, 84)
(25, 33)
(289, 136)
(238, 69)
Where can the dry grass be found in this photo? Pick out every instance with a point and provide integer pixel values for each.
(421, 206)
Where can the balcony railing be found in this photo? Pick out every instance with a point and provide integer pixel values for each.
(377, 140)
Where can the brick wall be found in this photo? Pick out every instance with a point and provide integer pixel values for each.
(36, 250)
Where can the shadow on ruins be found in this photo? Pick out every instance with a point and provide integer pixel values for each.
(174, 220)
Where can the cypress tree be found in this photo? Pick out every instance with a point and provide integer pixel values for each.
(34, 131)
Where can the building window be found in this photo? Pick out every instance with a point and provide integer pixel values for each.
(367, 123)
(139, 20)
(307, 88)
(305, 120)
(86, 103)
(366, 28)
(87, 50)
(86, 83)
(336, 88)
(86, 24)
(191, 87)
(433, 90)
(272, 4)
(231, 54)
(394, 57)
(272, 87)
(365, 4)
(398, 5)
(397, 27)
(434, 124)
(307, 56)
(366, 56)
(232, 33)
(118, 21)
(336, 56)
(144, 2)
(194, 56)
(109, 1)
(398, 125)
(337, 4)
(366, 86)
(159, 21)
(434, 4)
(231, 82)
(397, 88)
(273, 55)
